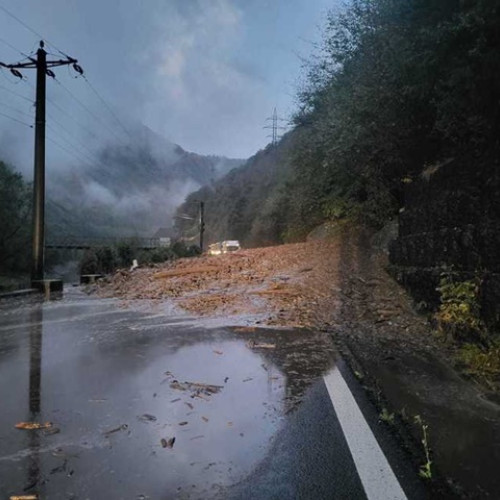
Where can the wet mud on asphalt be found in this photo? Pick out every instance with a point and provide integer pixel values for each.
(119, 385)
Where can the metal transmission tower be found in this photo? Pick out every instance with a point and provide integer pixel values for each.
(274, 119)
(42, 65)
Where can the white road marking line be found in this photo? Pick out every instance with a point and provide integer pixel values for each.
(377, 477)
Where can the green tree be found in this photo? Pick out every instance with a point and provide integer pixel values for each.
(15, 221)
(398, 84)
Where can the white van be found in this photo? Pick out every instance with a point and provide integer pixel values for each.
(230, 246)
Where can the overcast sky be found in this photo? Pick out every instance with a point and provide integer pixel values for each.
(203, 73)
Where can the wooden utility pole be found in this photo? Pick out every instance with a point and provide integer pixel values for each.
(42, 66)
(202, 223)
(37, 262)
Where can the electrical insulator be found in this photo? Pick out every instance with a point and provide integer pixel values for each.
(50, 73)
(17, 73)
(78, 68)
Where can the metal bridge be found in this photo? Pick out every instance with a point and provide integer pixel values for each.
(88, 243)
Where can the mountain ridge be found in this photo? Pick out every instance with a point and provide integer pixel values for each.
(133, 190)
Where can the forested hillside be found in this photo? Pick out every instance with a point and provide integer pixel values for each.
(249, 204)
(398, 87)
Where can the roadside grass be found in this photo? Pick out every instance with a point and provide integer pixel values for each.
(426, 468)
(459, 322)
(386, 416)
(459, 315)
(482, 362)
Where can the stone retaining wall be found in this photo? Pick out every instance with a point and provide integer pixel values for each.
(451, 223)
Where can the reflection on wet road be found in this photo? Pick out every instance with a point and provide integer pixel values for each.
(118, 386)
(100, 371)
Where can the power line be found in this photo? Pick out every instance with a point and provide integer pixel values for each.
(20, 21)
(29, 28)
(81, 155)
(107, 106)
(76, 139)
(89, 111)
(15, 49)
(69, 115)
(64, 112)
(39, 35)
(17, 94)
(111, 111)
(66, 150)
(86, 154)
(16, 120)
(8, 106)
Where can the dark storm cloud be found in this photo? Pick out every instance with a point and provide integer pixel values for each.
(203, 73)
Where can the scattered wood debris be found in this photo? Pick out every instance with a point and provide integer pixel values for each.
(276, 291)
(51, 431)
(242, 284)
(196, 388)
(253, 345)
(185, 272)
(167, 443)
(33, 425)
(122, 427)
(245, 329)
(147, 418)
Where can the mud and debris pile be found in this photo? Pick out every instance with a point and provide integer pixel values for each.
(289, 285)
(338, 283)
(306, 284)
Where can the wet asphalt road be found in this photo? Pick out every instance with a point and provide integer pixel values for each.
(106, 379)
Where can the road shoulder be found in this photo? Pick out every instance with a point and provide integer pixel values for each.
(409, 376)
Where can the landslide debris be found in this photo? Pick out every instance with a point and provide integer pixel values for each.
(288, 285)
(315, 284)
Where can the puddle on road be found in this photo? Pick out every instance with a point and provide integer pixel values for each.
(107, 383)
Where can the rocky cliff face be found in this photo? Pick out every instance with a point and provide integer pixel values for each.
(451, 223)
